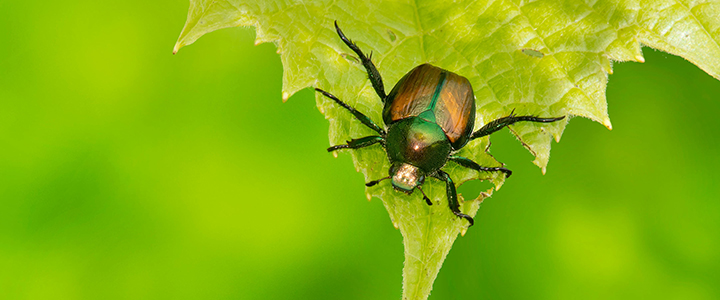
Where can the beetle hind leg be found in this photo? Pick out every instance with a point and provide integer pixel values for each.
(372, 71)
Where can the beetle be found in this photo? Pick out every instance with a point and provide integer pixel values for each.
(429, 116)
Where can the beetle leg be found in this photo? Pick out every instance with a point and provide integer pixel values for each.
(373, 73)
(452, 196)
(466, 162)
(360, 116)
(358, 143)
(498, 124)
(425, 197)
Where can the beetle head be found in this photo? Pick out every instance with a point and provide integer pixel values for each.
(406, 177)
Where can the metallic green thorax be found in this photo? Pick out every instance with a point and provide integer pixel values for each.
(419, 142)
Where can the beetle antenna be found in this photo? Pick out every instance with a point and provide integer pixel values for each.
(374, 182)
(427, 200)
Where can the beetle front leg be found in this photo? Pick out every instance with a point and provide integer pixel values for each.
(452, 196)
(373, 73)
(466, 162)
(358, 143)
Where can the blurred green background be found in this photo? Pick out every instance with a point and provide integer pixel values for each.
(130, 173)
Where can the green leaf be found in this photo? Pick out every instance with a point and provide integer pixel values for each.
(546, 58)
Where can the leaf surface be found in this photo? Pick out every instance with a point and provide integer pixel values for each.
(546, 58)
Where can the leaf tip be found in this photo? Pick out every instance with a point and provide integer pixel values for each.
(176, 48)
(498, 184)
(607, 123)
(640, 59)
(369, 197)
(285, 96)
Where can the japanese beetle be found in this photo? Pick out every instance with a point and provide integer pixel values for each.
(429, 115)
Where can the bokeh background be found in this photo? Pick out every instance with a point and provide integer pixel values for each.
(130, 173)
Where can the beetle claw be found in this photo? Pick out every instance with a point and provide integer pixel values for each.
(427, 200)
(506, 171)
(466, 217)
(425, 197)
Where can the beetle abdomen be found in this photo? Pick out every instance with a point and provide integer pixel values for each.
(435, 95)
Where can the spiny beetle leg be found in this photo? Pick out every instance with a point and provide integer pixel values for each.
(452, 196)
(373, 73)
(358, 143)
(466, 162)
(498, 124)
(358, 115)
